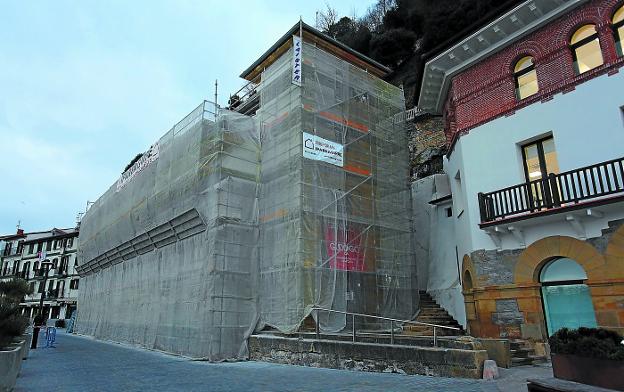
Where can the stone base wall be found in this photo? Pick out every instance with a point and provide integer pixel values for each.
(368, 356)
(505, 298)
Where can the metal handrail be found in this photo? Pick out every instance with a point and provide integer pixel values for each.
(392, 321)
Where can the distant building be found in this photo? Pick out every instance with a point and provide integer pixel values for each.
(524, 233)
(21, 256)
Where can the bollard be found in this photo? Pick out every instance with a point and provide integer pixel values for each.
(490, 370)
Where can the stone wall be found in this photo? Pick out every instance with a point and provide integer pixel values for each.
(368, 356)
(505, 299)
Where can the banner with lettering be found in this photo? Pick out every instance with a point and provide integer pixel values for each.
(345, 248)
(296, 61)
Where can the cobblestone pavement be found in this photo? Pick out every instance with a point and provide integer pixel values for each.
(84, 364)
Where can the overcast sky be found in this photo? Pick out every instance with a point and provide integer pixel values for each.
(86, 85)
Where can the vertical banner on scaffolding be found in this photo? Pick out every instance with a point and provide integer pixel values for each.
(296, 62)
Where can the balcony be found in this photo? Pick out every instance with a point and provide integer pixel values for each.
(585, 187)
(54, 293)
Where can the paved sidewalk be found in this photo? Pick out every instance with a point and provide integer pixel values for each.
(84, 364)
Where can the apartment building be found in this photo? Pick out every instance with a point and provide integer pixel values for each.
(47, 261)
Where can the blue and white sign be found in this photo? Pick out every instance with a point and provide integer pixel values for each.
(324, 150)
(296, 62)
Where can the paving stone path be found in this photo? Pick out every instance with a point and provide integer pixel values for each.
(84, 364)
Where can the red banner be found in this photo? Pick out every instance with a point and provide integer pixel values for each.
(345, 248)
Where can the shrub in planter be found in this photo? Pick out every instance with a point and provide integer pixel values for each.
(60, 323)
(592, 356)
(588, 342)
(12, 324)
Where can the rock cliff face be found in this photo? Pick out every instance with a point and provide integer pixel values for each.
(427, 142)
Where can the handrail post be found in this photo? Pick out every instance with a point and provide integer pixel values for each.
(435, 337)
(481, 197)
(316, 326)
(391, 331)
(353, 325)
(554, 189)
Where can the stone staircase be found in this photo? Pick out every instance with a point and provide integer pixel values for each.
(523, 354)
(432, 313)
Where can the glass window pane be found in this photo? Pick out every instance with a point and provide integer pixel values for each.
(582, 33)
(562, 269)
(588, 56)
(568, 306)
(532, 162)
(550, 156)
(527, 84)
(620, 41)
(523, 63)
(619, 15)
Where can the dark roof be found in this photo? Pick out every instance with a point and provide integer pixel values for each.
(311, 30)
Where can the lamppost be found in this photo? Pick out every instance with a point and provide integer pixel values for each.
(47, 264)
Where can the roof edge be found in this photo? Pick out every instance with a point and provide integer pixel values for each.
(312, 30)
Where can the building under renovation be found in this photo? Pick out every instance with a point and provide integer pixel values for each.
(294, 197)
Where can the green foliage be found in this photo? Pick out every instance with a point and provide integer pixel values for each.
(393, 31)
(12, 324)
(15, 289)
(588, 342)
(393, 46)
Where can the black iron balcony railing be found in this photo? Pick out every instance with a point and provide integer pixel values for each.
(557, 190)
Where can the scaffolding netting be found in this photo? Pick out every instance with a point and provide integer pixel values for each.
(231, 223)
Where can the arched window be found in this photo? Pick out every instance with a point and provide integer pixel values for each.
(586, 50)
(618, 30)
(525, 77)
(566, 297)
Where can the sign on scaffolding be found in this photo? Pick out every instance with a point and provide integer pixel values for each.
(324, 150)
(148, 157)
(296, 62)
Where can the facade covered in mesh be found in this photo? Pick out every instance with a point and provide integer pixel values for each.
(234, 222)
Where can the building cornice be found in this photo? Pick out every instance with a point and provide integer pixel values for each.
(497, 35)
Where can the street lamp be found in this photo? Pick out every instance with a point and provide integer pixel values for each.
(45, 264)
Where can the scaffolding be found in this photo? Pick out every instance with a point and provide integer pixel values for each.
(167, 258)
(228, 225)
(334, 236)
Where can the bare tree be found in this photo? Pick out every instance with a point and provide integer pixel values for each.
(326, 19)
(374, 16)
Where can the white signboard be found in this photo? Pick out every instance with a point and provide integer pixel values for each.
(320, 149)
(296, 62)
(148, 157)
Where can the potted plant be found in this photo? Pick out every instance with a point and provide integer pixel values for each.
(12, 327)
(593, 356)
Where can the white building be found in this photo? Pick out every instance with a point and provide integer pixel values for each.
(526, 231)
(22, 255)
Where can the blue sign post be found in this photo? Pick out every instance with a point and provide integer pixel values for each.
(50, 337)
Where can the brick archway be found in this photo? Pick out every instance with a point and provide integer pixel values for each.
(468, 269)
(614, 254)
(537, 254)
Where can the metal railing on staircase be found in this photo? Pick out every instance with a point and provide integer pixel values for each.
(316, 310)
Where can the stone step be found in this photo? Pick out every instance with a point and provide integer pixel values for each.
(521, 361)
(521, 352)
(530, 360)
